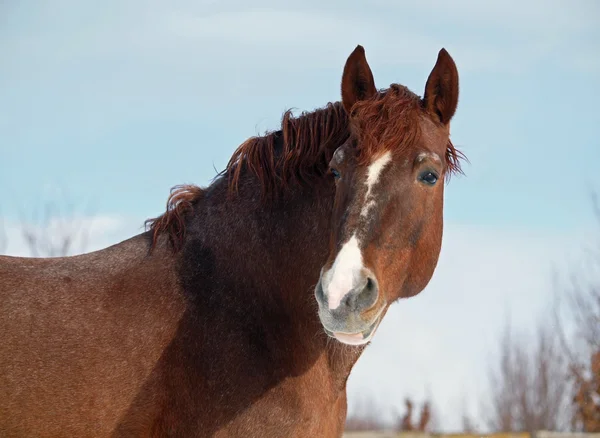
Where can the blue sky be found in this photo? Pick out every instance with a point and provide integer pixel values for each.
(118, 101)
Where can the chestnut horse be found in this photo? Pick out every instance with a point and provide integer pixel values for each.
(242, 309)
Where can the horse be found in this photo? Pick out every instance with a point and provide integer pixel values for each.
(242, 309)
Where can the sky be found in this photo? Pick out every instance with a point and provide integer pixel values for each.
(108, 105)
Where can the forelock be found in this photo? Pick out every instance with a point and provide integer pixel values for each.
(389, 122)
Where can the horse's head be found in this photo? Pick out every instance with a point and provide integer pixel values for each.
(386, 232)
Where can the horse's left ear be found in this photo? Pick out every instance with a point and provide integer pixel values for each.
(357, 79)
(441, 89)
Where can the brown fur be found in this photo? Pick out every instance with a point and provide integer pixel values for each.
(206, 325)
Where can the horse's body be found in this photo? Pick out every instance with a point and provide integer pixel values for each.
(207, 325)
(122, 343)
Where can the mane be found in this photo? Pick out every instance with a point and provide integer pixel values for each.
(300, 151)
(180, 203)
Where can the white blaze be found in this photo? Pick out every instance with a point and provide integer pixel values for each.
(344, 272)
(373, 173)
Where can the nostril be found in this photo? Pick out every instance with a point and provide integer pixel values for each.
(370, 284)
(368, 296)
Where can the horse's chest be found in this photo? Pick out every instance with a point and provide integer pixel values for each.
(302, 406)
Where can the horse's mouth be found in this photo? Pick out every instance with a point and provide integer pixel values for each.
(359, 338)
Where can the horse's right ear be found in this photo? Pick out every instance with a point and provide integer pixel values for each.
(357, 79)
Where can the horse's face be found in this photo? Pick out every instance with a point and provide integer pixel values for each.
(387, 220)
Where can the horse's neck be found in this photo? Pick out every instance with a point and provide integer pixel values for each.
(274, 253)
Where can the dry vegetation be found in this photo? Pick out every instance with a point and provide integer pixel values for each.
(53, 228)
(370, 417)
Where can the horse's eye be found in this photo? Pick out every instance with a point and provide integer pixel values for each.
(335, 173)
(428, 177)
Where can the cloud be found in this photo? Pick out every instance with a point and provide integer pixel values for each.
(317, 36)
(215, 36)
(537, 16)
(88, 233)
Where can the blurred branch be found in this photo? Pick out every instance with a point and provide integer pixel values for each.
(369, 416)
(54, 229)
(580, 337)
(406, 423)
(467, 422)
(424, 418)
(427, 418)
(528, 385)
